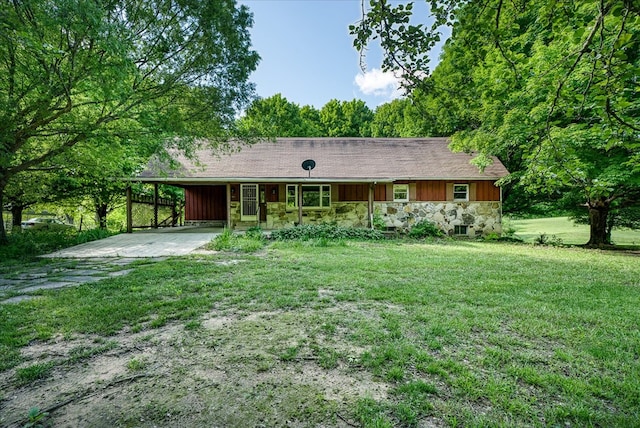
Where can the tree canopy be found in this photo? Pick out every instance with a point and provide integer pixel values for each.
(73, 71)
(551, 88)
(276, 116)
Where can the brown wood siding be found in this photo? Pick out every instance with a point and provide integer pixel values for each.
(353, 192)
(380, 192)
(235, 192)
(272, 192)
(487, 191)
(431, 190)
(206, 203)
(440, 190)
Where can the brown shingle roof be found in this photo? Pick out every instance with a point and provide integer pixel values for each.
(337, 159)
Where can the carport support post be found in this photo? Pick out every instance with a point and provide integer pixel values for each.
(155, 205)
(370, 204)
(228, 206)
(129, 210)
(300, 204)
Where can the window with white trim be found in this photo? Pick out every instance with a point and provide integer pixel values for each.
(400, 192)
(313, 196)
(460, 192)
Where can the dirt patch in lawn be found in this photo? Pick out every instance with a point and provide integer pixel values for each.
(263, 369)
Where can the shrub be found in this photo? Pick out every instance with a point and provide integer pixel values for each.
(325, 231)
(254, 232)
(425, 229)
(92, 235)
(378, 221)
(545, 239)
(251, 241)
(28, 244)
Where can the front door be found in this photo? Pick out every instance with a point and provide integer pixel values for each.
(249, 202)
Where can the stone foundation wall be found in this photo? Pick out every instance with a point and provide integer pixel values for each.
(481, 218)
(349, 214)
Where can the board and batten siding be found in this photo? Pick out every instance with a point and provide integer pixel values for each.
(353, 192)
(205, 203)
(440, 190)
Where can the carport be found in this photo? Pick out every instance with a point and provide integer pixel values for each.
(173, 241)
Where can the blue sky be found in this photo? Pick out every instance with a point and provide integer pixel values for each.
(308, 55)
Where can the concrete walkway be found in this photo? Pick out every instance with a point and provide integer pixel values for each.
(97, 260)
(177, 241)
(18, 286)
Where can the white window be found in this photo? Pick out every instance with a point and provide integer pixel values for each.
(313, 196)
(460, 192)
(400, 192)
(292, 196)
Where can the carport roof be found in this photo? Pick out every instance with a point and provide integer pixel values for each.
(337, 160)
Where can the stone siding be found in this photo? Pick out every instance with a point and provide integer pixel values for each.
(481, 218)
(349, 214)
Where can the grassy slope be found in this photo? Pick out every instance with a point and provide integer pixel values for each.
(468, 333)
(568, 231)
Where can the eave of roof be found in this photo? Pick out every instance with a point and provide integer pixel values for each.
(186, 181)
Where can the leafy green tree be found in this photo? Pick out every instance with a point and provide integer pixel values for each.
(27, 189)
(73, 71)
(311, 118)
(552, 87)
(346, 118)
(94, 174)
(332, 118)
(275, 117)
(399, 118)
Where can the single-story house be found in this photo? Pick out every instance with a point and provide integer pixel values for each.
(350, 181)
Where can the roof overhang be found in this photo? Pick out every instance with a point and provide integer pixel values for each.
(284, 180)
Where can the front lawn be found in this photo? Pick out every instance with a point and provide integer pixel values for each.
(568, 231)
(355, 334)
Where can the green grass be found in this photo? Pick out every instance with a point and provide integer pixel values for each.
(33, 372)
(567, 230)
(27, 245)
(247, 242)
(468, 333)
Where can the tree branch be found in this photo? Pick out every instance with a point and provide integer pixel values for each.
(581, 52)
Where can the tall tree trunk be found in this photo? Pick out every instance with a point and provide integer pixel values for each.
(101, 215)
(16, 217)
(3, 232)
(598, 214)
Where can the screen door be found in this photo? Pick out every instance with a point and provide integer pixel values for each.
(249, 201)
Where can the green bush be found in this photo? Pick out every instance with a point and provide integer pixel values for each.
(254, 232)
(425, 229)
(252, 240)
(92, 235)
(378, 221)
(545, 239)
(325, 231)
(28, 244)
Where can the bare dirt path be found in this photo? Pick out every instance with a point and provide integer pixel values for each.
(226, 371)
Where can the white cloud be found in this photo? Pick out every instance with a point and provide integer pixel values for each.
(379, 83)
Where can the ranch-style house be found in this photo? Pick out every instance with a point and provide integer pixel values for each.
(349, 181)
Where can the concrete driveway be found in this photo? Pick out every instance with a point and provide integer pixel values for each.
(175, 241)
